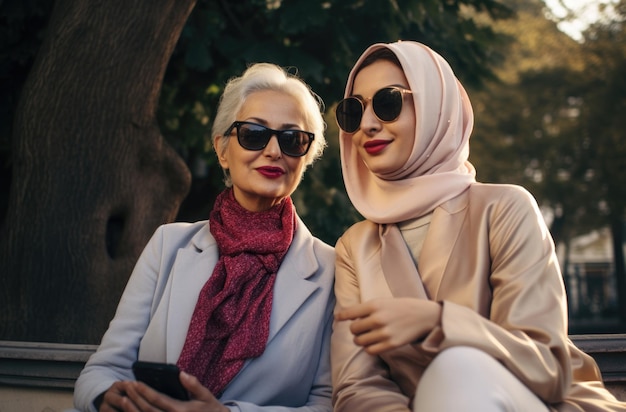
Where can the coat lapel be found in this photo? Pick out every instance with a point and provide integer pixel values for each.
(441, 238)
(292, 287)
(397, 265)
(192, 268)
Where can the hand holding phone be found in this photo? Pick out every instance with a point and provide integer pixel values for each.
(163, 377)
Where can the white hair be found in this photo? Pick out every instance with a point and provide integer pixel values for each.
(268, 76)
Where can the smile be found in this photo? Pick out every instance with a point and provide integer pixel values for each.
(375, 146)
(271, 172)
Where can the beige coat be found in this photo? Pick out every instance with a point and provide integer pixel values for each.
(489, 258)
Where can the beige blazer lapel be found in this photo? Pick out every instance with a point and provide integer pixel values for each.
(441, 238)
(398, 266)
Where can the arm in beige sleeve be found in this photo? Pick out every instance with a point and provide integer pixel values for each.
(361, 382)
(526, 327)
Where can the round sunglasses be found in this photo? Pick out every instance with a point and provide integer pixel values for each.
(386, 103)
(254, 136)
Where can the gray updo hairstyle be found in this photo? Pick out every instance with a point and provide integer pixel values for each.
(268, 76)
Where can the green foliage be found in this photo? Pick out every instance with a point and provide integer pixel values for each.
(554, 123)
(602, 117)
(320, 40)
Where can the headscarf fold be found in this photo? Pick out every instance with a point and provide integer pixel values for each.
(231, 320)
(438, 168)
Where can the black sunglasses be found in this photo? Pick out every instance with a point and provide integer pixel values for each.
(387, 105)
(254, 136)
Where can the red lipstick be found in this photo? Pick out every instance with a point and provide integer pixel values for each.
(271, 171)
(375, 146)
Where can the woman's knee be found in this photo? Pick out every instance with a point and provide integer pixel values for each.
(459, 362)
(465, 378)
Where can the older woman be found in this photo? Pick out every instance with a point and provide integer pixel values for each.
(242, 303)
(449, 294)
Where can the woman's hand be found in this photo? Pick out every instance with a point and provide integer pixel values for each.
(139, 397)
(114, 397)
(388, 323)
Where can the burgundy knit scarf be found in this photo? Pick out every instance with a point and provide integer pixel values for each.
(230, 322)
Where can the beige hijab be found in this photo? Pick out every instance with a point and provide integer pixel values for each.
(438, 169)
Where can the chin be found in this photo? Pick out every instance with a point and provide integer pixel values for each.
(376, 168)
(272, 196)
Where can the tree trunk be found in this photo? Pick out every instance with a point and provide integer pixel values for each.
(92, 175)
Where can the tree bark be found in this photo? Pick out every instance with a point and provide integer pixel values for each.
(92, 175)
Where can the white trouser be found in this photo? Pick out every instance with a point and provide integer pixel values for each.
(467, 379)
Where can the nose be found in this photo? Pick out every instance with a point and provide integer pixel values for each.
(369, 122)
(273, 148)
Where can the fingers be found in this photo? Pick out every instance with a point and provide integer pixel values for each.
(378, 341)
(370, 336)
(200, 393)
(387, 323)
(131, 396)
(116, 398)
(137, 398)
(195, 388)
(378, 348)
(375, 338)
(375, 321)
(365, 316)
(354, 312)
(148, 399)
(369, 329)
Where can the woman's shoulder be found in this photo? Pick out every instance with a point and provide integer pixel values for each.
(180, 233)
(503, 202)
(177, 227)
(181, 229)
(363, 232)
(500, 192)
(361, 227)
(320, 247)
(311, 254)
(498, 188)
(323, 247)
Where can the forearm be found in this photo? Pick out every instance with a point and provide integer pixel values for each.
(360, 380)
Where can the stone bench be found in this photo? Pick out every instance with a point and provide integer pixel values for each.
(39, 377)
(609, 351)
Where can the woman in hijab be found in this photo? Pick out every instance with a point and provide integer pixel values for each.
(241, 303)
(449, 294)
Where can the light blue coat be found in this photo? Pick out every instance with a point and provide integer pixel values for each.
(154, 312)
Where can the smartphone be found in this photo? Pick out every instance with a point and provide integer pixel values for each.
(163, 377)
